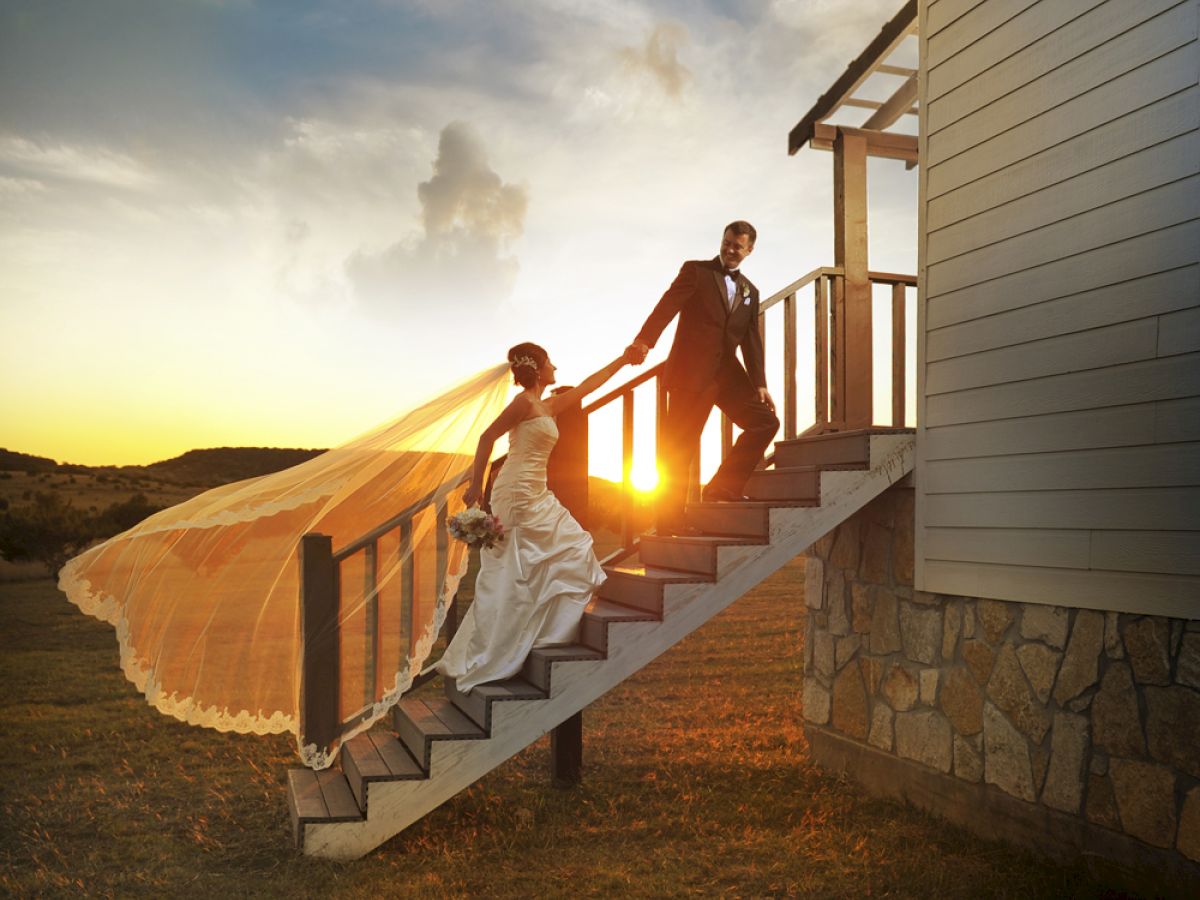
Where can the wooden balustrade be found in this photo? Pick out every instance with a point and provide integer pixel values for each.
(321, 722)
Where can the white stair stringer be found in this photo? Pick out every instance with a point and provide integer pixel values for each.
(454, 765)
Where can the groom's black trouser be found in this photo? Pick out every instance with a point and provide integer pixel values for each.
(687, 411)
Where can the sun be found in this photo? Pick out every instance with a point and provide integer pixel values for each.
(644, 476)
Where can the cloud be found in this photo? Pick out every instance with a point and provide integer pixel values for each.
(659, 58)
(461, 256)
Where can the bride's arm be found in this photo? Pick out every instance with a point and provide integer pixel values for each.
(559, 402)
(512, 414)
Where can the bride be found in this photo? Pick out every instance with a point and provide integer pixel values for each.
(532, 586)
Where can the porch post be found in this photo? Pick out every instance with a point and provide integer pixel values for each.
(567, 477)
(852, 375)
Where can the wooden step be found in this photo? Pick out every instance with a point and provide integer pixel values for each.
(420, 722)
(687, 554)
(476, 704)
(593, 629)
(641, 587)
(319, 797)
(835, 448)
(791, 483)
(540, 661)
(374, 756)
(748, 519)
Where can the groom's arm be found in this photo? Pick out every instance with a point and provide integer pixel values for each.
(668, 307)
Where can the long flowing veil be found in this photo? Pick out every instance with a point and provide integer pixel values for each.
(204, 596)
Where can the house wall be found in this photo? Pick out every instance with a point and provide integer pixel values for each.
(1058, 446)
(1073, 731)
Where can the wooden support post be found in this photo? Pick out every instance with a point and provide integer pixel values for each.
(898, 349)
(566, 752)
(627, 469)
(821, 330)
(726, 436)
(372, 671)
(567, 477)
(407, 588)
(319, 653)
(567, 469)
(789, 366)
(852, 343)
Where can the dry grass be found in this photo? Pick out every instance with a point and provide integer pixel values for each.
(697, 781)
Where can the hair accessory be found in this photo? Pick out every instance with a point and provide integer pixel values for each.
(525, 361)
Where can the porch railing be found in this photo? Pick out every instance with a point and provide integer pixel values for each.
(321, 719)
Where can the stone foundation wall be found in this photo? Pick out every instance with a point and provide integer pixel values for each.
(1089, 715)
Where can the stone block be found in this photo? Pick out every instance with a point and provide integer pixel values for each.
(924, 736)
(882, 510)
(951, 627)
(1188, 841)
(824, 545)
(1039, 759)
(814, 583)
(994, 616)
(850, 703)
(968, 762)
(885, 624)
(1101, 808)
(1080, 666)
(979, 658)
(877, 554)
(1145, 795)
(1147, 642)
(1010, 692)
(844, 650)
(902, 539)
(823, 647)
(808, 649)
(872, 670)
(928, 680)
(862, 605)
(882, 731)
(845, 553)
(921, 632)
(1068, 749)
(1113, 646)
(1099, 762)
(1006, 761)
(900, 688)
(962, 702)
(835, 602)
(1173, 727)
(816, 702)
(1116, 724)
(1176, 635)
(1047, 624)
(968, 629)
(1187, 666)
(1040, 665)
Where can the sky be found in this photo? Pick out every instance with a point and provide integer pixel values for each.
(234, 223)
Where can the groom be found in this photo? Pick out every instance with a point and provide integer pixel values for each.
(718, 312)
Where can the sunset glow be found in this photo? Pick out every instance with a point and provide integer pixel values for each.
(289, 239)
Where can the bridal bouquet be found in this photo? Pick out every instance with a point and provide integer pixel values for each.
(475, 528)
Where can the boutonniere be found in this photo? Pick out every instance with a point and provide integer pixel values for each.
(746, 291)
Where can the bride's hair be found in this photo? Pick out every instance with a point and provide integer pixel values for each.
(526, 360)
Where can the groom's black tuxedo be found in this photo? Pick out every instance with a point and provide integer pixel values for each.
(702, 370)
(710, 331)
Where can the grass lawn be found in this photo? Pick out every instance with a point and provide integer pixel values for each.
(696, 781)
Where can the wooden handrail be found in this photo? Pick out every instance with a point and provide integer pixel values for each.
(624, 389)
(796, 285)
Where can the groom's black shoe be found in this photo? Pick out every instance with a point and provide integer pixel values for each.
(721, 495)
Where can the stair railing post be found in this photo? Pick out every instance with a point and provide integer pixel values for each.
(567, 477)
(898, 354)
(320, 669)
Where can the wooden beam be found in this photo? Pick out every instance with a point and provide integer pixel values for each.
(894, 107)
(856, 73)
(320, 666)
(852, 342)
(876, 104)
(879, 143)
(566, 752)
(903, 71)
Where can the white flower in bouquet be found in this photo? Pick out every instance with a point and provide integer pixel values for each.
(476, 528)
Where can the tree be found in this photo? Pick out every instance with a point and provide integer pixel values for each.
(49, 531)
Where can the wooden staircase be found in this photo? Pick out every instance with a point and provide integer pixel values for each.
(650, 602)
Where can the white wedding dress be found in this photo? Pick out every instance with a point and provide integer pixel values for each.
(533, 586)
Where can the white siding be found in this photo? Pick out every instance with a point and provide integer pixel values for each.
(1058, 453)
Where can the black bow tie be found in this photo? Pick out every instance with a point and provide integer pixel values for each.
(732, 273)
